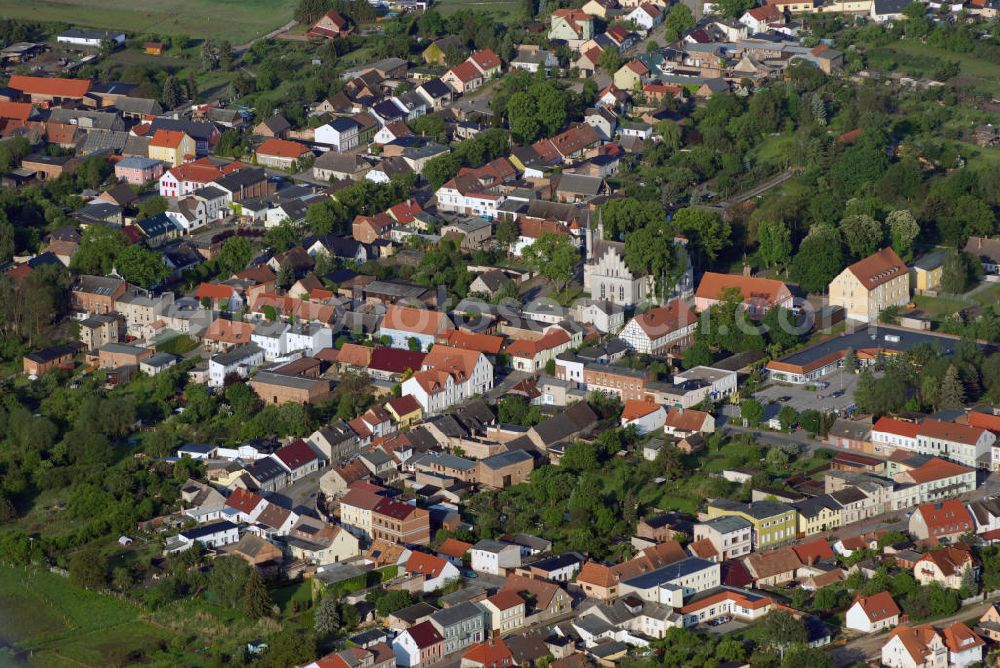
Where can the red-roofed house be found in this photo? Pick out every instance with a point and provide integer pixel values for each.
(489, 654)
(684, 422)
(813, 551)
(368, 229)
(281, 153)
(243, 506)
(963, 443)
(331, 25)
(759, 294)
(504, 612)
(487, 62)
(933, 480)
(438, 572)
(762, 19)
(400, 522)
(645, 414)
(945, 565)
(402, 323)
(419, 646)
(454, 550)
(891, 434)
(300, 459)
(568, 145)
(533, 355)
(944, 519)
(405, 410)
(217, 293)
(463, 78)
(49, 90)
(744, 605)
(662, 330)
(172, 147)
(869, 286)
(873, 613)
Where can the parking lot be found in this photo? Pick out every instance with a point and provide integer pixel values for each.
(834, 393)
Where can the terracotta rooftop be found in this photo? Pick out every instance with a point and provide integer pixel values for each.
(880, 267)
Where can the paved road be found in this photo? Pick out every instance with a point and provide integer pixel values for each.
(870, 647)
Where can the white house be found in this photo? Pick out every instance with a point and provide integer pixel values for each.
(645, 416)
(890, 433)
(216, 534)
(873, 613)
(437, 571)
(454, 198)
(341, 133)
(661, 330)
(309, 337)
(915, 647)
(418, 646)
(494, 557)
(238, 360)
(270, 336)
(91, 38)
(965, 444)
(402, 323)
(647, 16)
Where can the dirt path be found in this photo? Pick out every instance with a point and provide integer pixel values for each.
(239, 50)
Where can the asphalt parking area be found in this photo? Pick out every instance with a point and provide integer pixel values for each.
(833, 393)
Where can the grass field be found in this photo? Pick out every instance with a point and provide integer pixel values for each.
(63, 625)
(500, 7)
(938, 307)
(236, 20)
(975, 71)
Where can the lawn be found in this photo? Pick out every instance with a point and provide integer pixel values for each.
(63, 625)
(501, 7)
(236, 20)
(178, 345)
(978, 72)
(938, 307)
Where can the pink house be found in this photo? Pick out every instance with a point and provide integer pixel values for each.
(138, 171)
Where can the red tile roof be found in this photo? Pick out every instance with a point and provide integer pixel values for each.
(505, 600)
(484, 343)
(404, 405)
(945, 518)
(663, 320)
(452, 547)
(949, 431)
(958, 637)
(485, 59)
(528, 349)
(282, 148)
(50, 86)
(425, 564)
(714, 285)
(466, 72)
(813, 551)
(937, 469)
(878, 607)
(491, 654)
(243, 501)
(878, 268)
(394, 509)
(296, 454)
(214, 291)
(896, 427)
(983, 420)
(425, 635)
(395, 360)
(167, 138)
(638, 408)
(19, 111)
(416, 320)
